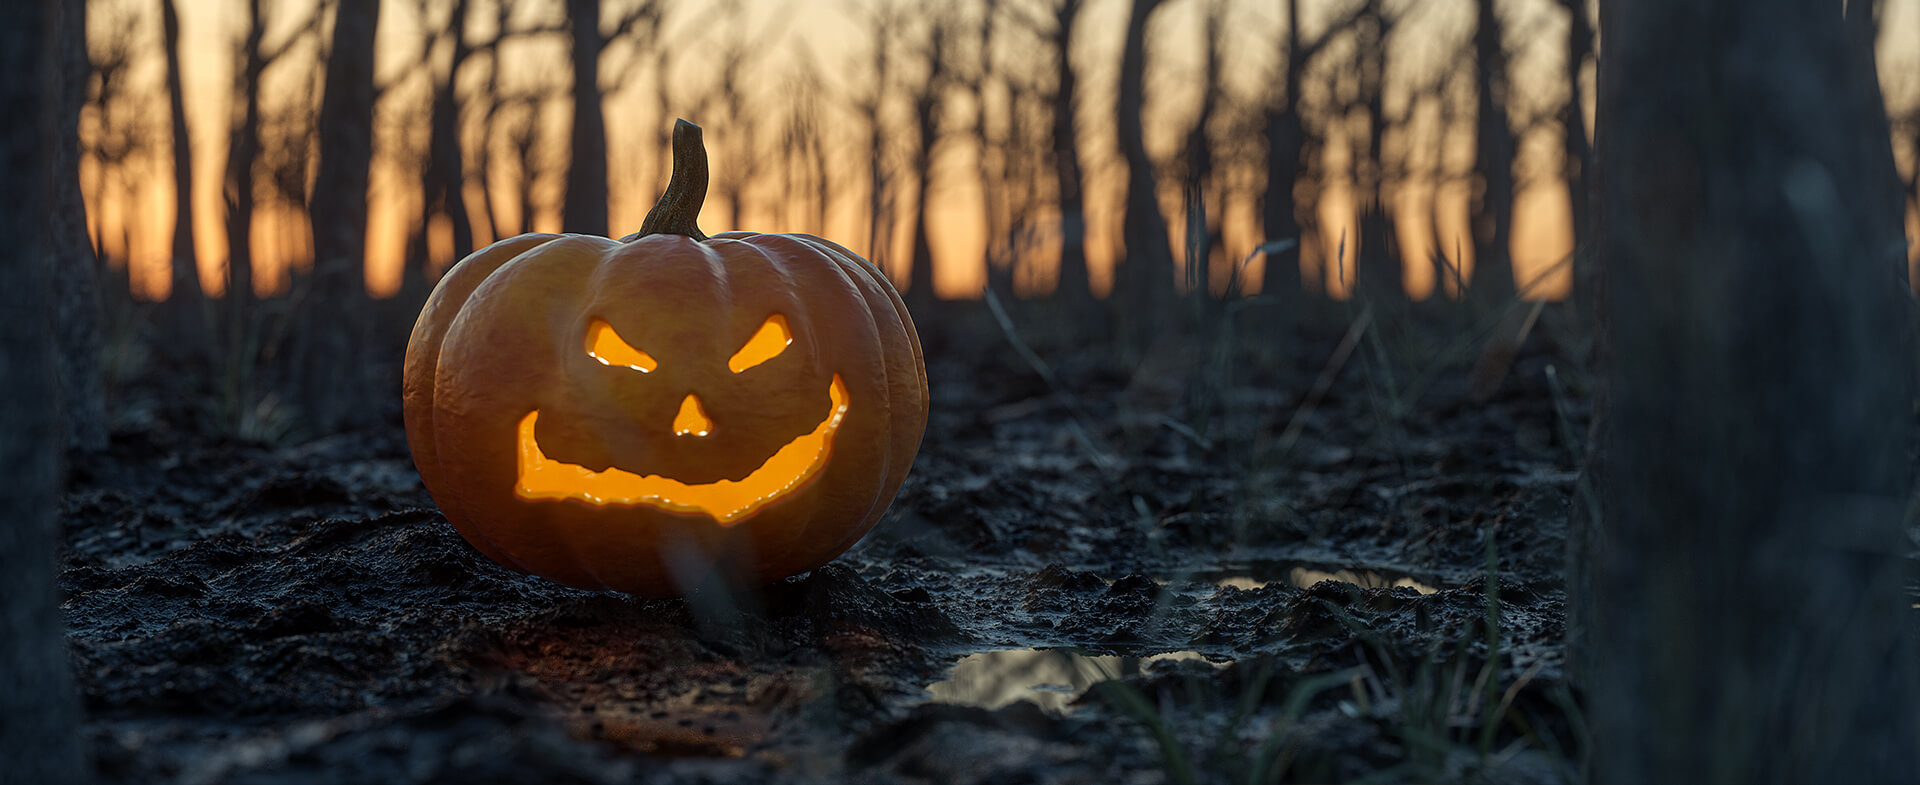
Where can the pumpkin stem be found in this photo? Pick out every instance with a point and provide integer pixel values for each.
(678, 210)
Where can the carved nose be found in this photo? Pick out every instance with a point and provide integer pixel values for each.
(692, 420)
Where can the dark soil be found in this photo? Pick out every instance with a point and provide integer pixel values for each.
(1272, 602)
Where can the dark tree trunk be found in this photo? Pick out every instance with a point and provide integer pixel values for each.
(585, 209)
(333, 387)
(1073, 286)
(980, 84)
(1148, 269)
(872, 109)
(242, 153)
(1741, 606)
(1197, 157)
(41, 733)
(489, 122)
(75, 281)
(928, 98)
(524, 139)
(1577, 166)
(1493, 282)
(1378, 274)
(1014, 174)
(442, 181)
(1286, 142)
(186, 274)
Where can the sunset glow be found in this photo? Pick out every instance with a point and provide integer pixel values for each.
(132, 218)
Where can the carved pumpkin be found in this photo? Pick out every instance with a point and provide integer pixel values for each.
(634, 414)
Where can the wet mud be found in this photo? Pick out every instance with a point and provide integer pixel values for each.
(1153, 572)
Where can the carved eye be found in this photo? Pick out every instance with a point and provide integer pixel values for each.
(767, 343)
(605, 345)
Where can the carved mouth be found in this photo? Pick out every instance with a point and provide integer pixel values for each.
(726, 501)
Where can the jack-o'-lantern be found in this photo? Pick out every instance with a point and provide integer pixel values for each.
(638, 414)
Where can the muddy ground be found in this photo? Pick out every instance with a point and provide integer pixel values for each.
(1160, 569)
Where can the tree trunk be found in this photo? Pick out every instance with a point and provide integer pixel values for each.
(1378, 274)
(1149, 261)
(1577, 166)
(186, 272)
(1493, 281)
(872, 109)
(1073, 286)
(1197, 156)
(585, 210)
(241, 155)
(1742, 611)
(42, 731)
(75, 283)
(1286, 139)
(442, 181)
(333, 386)
(928, 98)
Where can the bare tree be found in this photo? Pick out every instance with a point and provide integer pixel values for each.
(1739, 602)
(1577, 161)
(42, 734)
(118, 138)
(804, 174)
(1286, 135)
(980, 78)
(731, 98)
(186, 274)
(1057, 32)
(242, 149)
(585, 207)
(1148, 269)
(884, 19)
(928, 98)
(75, 285)
(1377, 269)
(442, 179)
(1492, 282)
(1025, 165)
(1197, 152)
(522, 131)
(331, 390)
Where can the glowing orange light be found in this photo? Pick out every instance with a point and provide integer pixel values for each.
(767, 343)
(692, 420)
(727, 501)
(606, 346)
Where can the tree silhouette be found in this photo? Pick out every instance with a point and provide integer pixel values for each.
(584, 210)
(1378, 274)
(1739, 602)
(42, 732)
(333, 390)
(1073, 286)
(1148, 269)
(1493, 280)
(927, 96)
(443, 178)
(186, 274)
(1197, 155)
(1286, 137)
(883, 20)
(1577, 148)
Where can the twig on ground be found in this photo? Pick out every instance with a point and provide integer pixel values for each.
(1100, 456)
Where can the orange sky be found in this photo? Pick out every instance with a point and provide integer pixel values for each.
(135, 205)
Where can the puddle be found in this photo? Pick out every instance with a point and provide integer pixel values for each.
(1048, 678)
(1304, 576)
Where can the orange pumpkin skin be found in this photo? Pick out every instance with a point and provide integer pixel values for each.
(505, 334)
